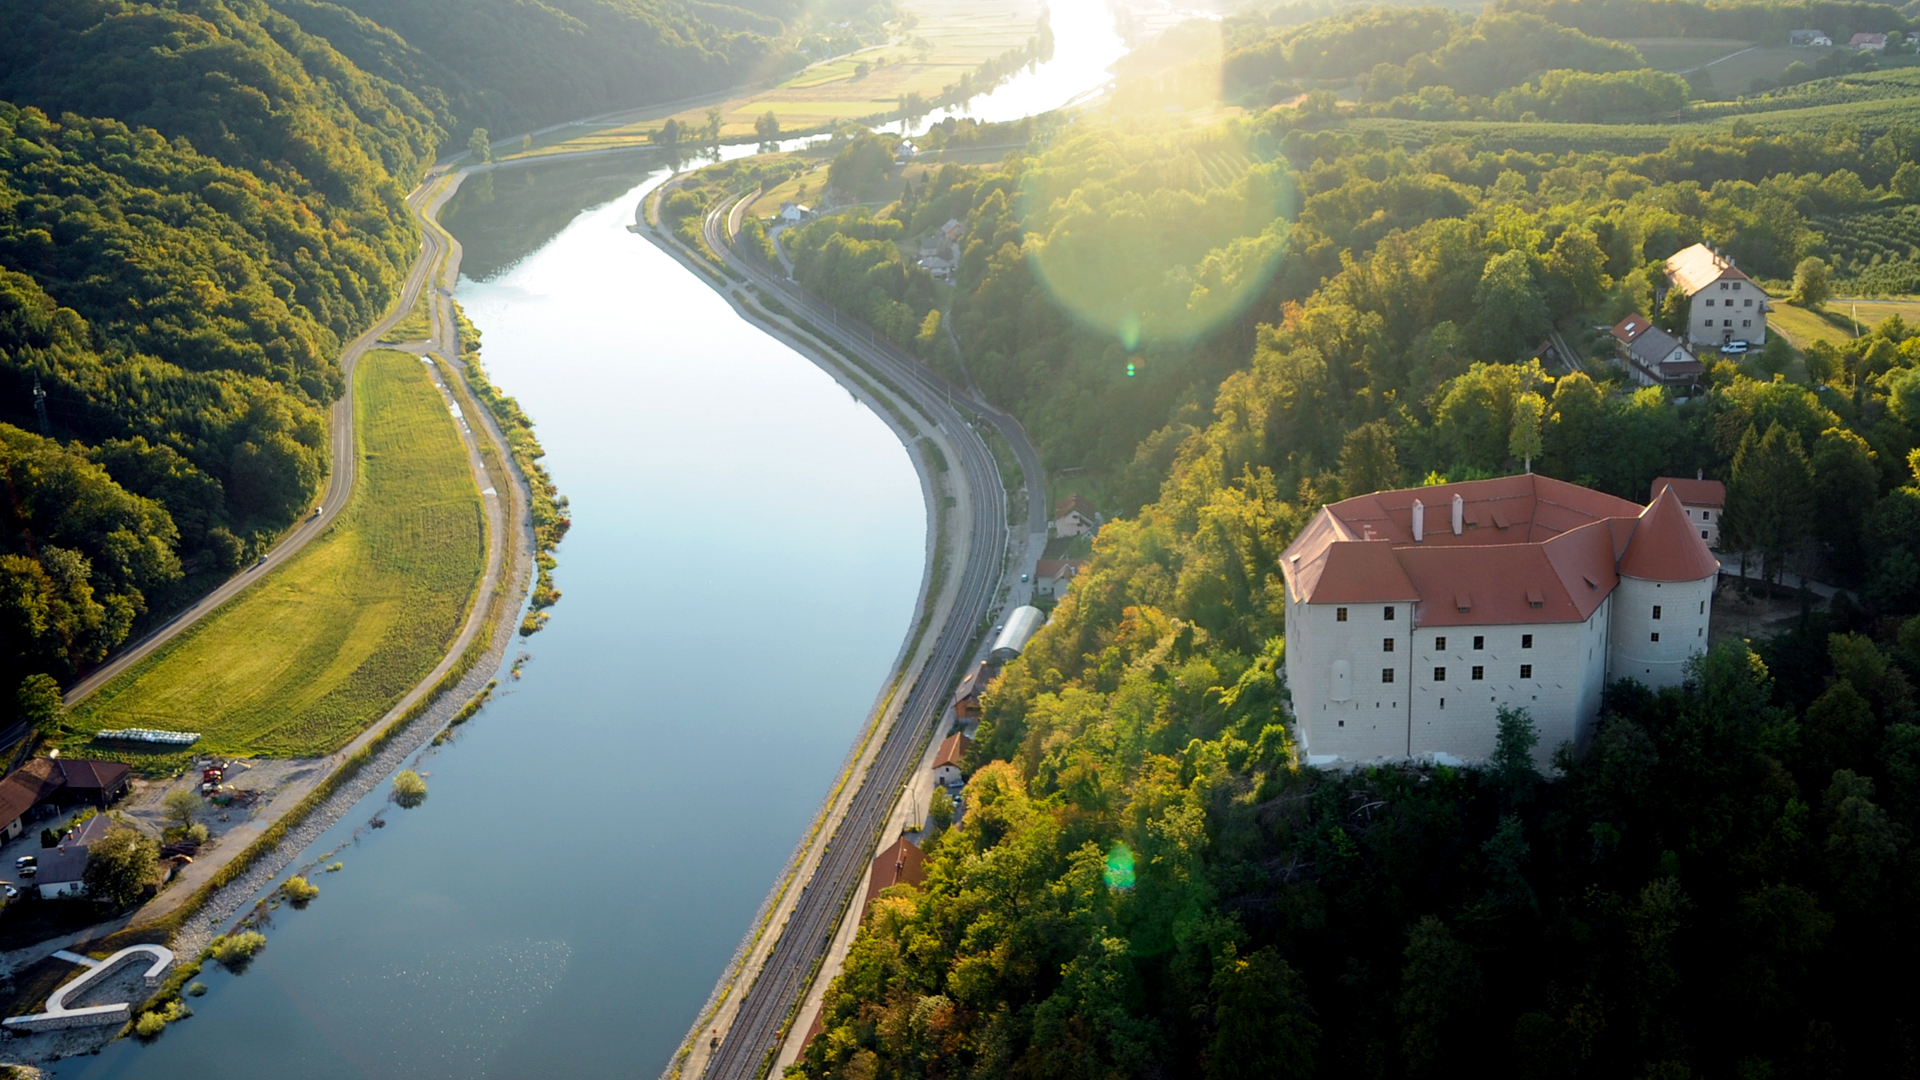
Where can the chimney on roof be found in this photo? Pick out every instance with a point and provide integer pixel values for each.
(1419, 521)
(1459, 515)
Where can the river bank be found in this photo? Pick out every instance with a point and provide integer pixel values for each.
(213, 891)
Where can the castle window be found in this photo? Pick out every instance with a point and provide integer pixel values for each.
(1389, 615)
(1703, 607)
(1479, 673)
(1526, 671)
(1526, 641)
(1386, 644)
(1439, 674)
(1386, 674)
(1656, 635)
(1703, 534)
(1479, 642)
(1749, 303)
(1723, 286)
(1736, 286)
(1746, 322)
(1339, 614)
(1656, 611)
(1440, 643)
(1709, 301)
(1706, 515)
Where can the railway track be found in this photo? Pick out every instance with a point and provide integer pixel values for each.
(751, 1041)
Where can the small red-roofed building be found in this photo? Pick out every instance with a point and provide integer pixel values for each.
(1705, 502)
(1075, 516)
(966, 700)
(900, 864)
(1414, 616)
(952, 755)
(1727, 304)
(1052, 577)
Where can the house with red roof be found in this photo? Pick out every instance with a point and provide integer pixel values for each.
(1052, 577)
(952, 756)
(1705, 502)
(899, 863)
(1075, 516)
(44, 786)
(1414, 616)
(1727, 304)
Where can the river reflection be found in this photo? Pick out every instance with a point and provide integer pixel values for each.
(746, 547)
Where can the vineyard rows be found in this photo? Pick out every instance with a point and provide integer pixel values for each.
(1874, 251)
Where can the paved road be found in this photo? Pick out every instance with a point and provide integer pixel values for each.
(748, 1046)
(424, 199)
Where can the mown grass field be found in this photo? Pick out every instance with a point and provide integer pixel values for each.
(302, 662)
(1802, 327)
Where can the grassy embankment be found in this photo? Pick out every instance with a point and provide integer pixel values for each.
(950, 38)
(416, 326)
(304, 661)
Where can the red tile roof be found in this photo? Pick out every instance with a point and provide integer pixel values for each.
(26, 787)
(1075, 501)
(976, 680)
(1058, 568)
(953, 751)
(1531, 550)
(1692, 492)
(900, 863)
(1631, 327)
(1699, 266)
(1665, 546)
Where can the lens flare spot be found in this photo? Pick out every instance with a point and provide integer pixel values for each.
(1119, 873)
(1156, 236)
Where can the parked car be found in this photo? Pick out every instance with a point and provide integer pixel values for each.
(29, 871)
(25, 861)
(12, 893)
(1735, 347)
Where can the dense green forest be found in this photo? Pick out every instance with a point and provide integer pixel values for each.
(1146, 881)
(201, 201)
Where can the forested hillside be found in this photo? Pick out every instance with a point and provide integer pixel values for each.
(510, 65)
(176, 291)
(1147, 882)
(200, 203)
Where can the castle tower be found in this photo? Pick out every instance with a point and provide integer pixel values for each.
(1665, 597)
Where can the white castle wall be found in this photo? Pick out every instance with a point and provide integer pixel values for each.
(1685, 608)
(1370, 724)
(1458, 716)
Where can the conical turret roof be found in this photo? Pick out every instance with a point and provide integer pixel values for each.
(1665, 546)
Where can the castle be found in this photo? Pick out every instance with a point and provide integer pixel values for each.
(1413, 616)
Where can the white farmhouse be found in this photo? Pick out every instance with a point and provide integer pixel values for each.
(1413, 616)
(1703, 500)
(1727, 304)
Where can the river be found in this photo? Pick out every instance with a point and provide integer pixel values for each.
(746, 548)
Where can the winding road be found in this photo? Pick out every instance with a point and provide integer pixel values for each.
(749, 1042)
(423, 202)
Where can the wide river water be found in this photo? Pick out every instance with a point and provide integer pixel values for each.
(747, 544)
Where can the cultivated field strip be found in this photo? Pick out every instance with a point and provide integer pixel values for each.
(758, 1027)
